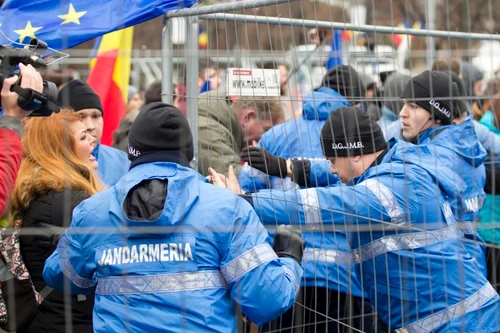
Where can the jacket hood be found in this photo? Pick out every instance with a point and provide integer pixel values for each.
(448, 180)
(163, 198)
(461, 139)
(318, 105)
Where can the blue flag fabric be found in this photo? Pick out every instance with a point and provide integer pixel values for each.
(335, 58)
(65, 23)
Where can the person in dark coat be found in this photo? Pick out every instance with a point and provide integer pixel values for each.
(53, 179)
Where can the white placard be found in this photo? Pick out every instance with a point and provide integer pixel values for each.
(253, 82)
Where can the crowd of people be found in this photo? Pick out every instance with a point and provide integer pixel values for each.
(373, 210)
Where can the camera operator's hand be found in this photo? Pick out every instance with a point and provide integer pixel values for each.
(30, 79)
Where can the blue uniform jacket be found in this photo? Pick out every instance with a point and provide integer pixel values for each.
(181, 271)
(327, 257)
(457, 147)
(113, 164)
(409, 254)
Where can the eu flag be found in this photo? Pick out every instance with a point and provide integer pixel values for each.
(65, 23)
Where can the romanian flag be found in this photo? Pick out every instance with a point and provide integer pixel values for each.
(398, 38)
(347, 35)
(109, 77)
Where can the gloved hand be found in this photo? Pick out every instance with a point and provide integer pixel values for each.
(288, 242)
(264, 161)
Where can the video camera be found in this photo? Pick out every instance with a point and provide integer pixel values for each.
(42, 104)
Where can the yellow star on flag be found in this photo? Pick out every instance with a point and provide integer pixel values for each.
(73, 16)
(28, 31)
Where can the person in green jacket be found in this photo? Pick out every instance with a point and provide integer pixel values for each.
(226, 126)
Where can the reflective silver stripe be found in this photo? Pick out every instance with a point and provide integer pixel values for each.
(291, 274)
(328, 255)
(387, 199)
(310, 202)
(160, 283)
(447, 210)
(248, 261)
(467, 228)
(68, 269)
(472, 303)
(403, 242)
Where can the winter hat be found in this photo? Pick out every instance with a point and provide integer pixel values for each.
(131, 91)
(470, 75)
(78, 95)
(346, 81)
(350, 131)
(435, 92)
(462, 92)
(160, 127)
(393, 89)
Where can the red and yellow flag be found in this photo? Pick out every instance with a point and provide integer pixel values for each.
(109, 77)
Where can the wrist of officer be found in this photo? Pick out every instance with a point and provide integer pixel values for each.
(289, 168)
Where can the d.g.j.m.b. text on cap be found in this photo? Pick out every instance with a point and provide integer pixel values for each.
(350, 131)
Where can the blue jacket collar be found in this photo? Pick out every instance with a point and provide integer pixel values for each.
(95, 152)
(431, 132)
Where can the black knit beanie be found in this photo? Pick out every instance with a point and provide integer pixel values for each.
(350, 131)
(346, 81)
(160, 127)
(78, 95)
(435, 92)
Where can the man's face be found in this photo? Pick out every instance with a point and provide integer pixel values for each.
(209, 74)
(344, 167)
(92, 119)
(253, 128)
(414, 120)
(135, 103)
(214, 78)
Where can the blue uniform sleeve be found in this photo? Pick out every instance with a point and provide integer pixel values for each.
(70, 261)
(264, 285)
(253, 180)
(489, 140)
(369, 202)
(320, 174)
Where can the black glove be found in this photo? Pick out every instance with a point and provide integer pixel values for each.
(288, 242)
(264, 161)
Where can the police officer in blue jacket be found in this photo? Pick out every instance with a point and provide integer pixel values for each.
(408, 248)
(168, 251)
(329, 277)
(432, 101)
(80, 97)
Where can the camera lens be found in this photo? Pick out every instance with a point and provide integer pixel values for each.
(50, 91)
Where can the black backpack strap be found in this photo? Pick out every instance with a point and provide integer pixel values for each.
(45, 292)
